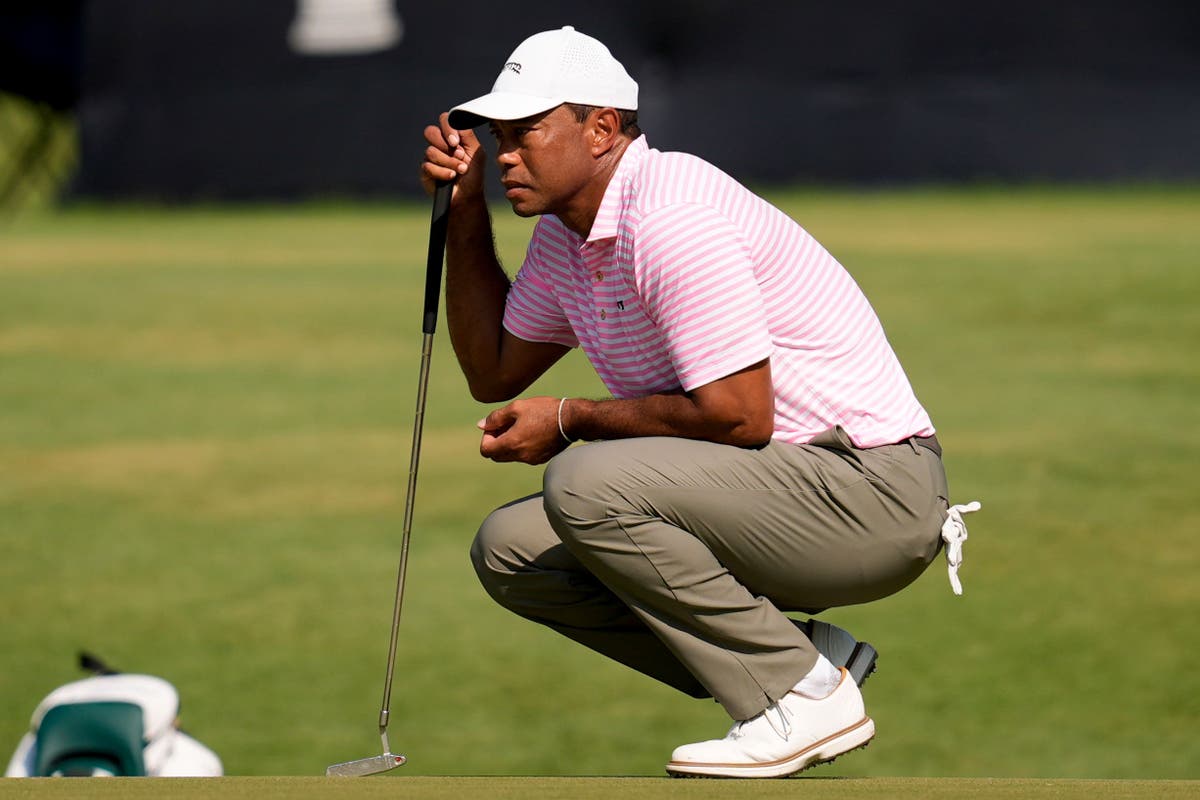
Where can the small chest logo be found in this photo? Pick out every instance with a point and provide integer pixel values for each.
(513, 66)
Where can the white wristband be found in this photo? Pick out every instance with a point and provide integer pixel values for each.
(560, 425)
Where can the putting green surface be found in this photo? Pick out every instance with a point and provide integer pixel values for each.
(205, 422)
(587, 788)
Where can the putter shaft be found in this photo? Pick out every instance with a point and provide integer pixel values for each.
(433, 282)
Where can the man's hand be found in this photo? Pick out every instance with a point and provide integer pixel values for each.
(525, 430)
(453, 155)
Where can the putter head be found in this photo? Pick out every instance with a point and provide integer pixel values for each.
(365, 766)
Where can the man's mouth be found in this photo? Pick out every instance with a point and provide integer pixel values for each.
(512, 188)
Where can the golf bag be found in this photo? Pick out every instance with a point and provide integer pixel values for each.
(112, 724)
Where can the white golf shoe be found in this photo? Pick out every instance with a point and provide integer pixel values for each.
(792, 734)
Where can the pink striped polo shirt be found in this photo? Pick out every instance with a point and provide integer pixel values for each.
(687, 277)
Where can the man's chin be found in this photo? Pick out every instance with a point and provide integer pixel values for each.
(523, 209)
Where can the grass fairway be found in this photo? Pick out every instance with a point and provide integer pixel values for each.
(494, 788)
(204, 442)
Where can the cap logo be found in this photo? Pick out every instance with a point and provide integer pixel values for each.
(513, 66)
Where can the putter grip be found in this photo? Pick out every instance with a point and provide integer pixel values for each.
(437, 250)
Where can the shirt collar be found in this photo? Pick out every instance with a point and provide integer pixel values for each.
(608, 216)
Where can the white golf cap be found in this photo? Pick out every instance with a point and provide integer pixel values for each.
(547, 70)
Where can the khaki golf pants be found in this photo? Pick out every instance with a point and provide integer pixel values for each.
(678, 557)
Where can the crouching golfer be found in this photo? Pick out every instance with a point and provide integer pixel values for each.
(762, 451)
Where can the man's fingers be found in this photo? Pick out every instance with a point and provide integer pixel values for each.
(468, 139)
(452, 135)
(437, 144)
(456, 163)
(450, 155)
(445, 144)
(431, 174)
(498, 420)
(463, 142)
(492, 447)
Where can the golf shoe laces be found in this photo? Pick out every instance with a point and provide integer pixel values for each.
(780, 722)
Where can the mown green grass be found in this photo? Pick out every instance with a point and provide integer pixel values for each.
(204, 442)
(501, 788)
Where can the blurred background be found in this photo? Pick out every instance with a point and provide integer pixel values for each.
(287, 99)
(212, 249)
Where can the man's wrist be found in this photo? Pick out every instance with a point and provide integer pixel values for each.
(561, 427)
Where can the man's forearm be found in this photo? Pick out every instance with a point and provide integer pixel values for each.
(476, 287)
(674, 414)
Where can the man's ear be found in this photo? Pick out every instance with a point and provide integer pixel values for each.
(603, 130)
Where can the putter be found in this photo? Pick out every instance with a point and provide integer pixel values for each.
(433, 286)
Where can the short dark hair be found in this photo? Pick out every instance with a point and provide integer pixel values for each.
(629, 119)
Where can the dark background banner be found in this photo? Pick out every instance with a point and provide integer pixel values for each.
(211, 99)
